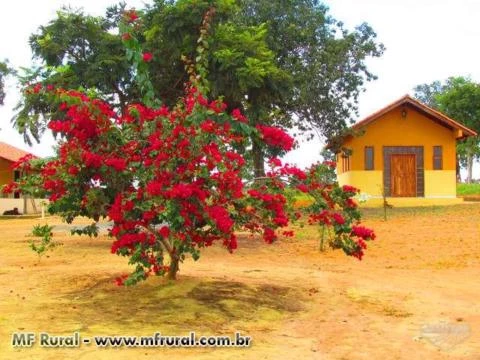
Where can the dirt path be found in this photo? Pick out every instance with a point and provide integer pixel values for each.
(414, 296)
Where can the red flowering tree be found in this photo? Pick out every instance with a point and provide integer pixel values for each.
(173, 181)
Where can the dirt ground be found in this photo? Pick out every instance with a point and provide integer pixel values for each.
(415, 295)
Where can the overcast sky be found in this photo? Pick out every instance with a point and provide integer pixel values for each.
(425, 40)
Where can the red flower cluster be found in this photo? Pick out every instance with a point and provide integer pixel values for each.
(350, 203)
(303, 188)
(164, 232)
(322, 218)
(358, 253)
(221, 218)
(131, 15)
(154, 188)
(350, 189)
(56, 188)
(208, 126)
(217, 106)
(9, 188)
(275, 162)
(363, 232)
(338, 218)
(237, 115)
(269, 235)
(37, 88)
(115, 213)
(92, 160)
(120, 281)
(232, 244)
(129, 240)
(50, 169)
(185, 191)
(118, 164)
(331, 164)
(148, 216)
(59, 126)
(293, 171)
(73, 170)
(23, 163)
(147, 57)
(276, 137)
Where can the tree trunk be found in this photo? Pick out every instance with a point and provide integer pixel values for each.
(258, 160)
(172, 271)
(24, 204)
(469, 168)
(459, 177)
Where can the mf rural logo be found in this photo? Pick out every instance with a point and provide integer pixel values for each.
(445, 335)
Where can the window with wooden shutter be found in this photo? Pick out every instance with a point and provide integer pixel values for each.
(345, 163)
(437, 158)
(369, 158)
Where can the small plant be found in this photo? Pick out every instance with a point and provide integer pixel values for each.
(326, 236)
(41, 231)
(386, 204)
(362, 198)
(45, 233)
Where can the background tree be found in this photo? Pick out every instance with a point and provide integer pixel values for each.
(285, 63)
(173, 180)
(5, 70)
(74, 51)
(426, 93)
(458, 98)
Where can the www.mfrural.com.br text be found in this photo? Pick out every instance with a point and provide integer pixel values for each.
(47, 340)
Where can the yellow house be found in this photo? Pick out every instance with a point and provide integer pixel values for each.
(406, 149)
(8, 156)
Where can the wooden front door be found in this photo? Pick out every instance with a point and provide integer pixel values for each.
(403, 177)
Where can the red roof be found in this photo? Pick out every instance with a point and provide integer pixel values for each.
(428, 111)
(11, 153)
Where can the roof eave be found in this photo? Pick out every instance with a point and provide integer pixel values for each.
(407, 99)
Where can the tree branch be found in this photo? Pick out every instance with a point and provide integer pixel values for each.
(170, 249)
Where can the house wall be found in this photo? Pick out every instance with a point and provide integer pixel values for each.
(6, 172)
(393, 130)
(440, 184)
(344, 178)
(369, 182)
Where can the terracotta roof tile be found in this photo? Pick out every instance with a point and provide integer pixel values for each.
(11, 153)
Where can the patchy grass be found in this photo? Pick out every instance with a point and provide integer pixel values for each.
(376, 213)
(468, 189)
(98, 306)
(377, 302)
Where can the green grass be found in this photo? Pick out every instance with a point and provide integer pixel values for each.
(377, 212)
(28, 216)
(468, 189)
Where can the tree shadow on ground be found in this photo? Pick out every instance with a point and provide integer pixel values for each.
(210, 306)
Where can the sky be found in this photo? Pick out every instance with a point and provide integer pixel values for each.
(425, 40)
